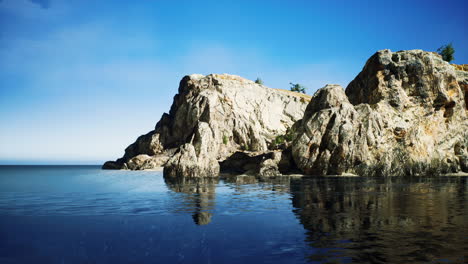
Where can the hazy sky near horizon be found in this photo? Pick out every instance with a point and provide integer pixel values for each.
(81, 80)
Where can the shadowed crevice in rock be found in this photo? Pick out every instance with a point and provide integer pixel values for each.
(268, 164)
(242, 162)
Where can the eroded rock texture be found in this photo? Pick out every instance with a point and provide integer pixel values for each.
(405, 113)
(211, 118)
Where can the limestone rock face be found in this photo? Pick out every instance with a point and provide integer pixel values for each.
(405, 113)
(269, 167)
(143, 161)
(198, 158)
(462, 67)
(211, 118)
(462, 79)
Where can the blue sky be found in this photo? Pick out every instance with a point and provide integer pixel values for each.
(80, 80)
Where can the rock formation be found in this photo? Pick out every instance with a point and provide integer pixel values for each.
(462, 79)
(213, 117)
(405, 113)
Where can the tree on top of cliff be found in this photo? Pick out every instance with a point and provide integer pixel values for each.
(259, 81)
(295, 87)
(447, 51)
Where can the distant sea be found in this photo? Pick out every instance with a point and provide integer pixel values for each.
(82, 214)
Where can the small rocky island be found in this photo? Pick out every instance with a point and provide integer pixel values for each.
(404, 114)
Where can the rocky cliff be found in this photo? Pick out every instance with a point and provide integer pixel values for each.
(404, 114)
(211, 118)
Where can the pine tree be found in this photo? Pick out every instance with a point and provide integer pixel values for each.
(447, 51)
(295, 87)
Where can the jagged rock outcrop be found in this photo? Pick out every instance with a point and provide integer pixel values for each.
(405, 113)
(462, 79)
(211, 118)
(461, 149)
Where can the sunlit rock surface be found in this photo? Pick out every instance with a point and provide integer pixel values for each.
(405, 113)
(211, 118)
(462, 79)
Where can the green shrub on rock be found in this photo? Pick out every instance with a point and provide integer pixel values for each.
(295, 87)
(447, 51)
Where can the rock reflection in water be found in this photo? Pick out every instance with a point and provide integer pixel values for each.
(279, 184)
(392, 220)
(355, 219)
(201, 195)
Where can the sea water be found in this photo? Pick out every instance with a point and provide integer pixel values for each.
(82, 214)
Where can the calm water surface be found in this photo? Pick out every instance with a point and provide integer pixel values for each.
(81, 214)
